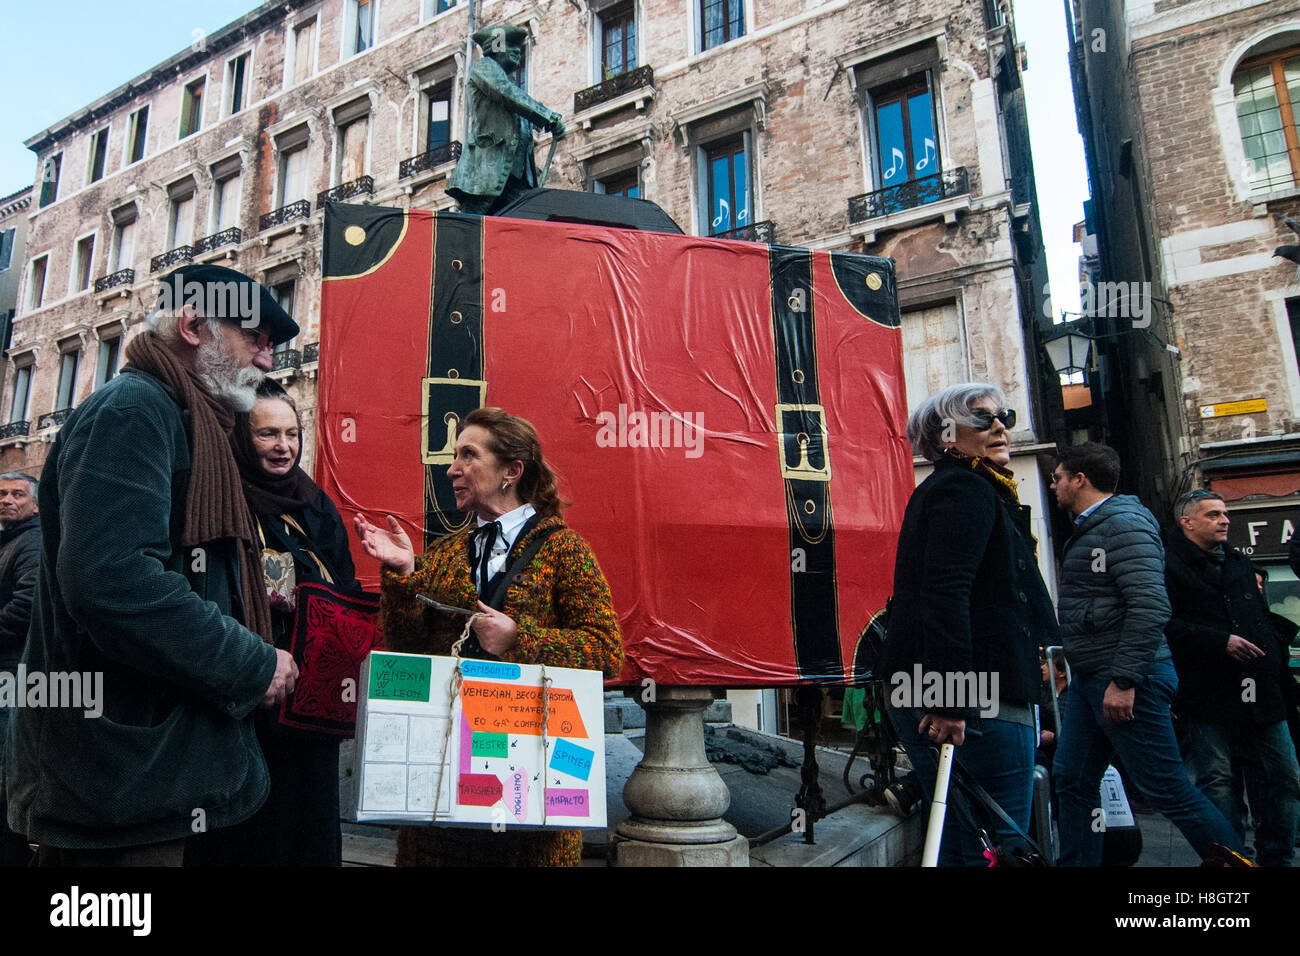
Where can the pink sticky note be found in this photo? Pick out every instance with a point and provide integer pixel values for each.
(516, 794)
(568, 803)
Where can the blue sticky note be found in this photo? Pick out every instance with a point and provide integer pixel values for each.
(572, 759)
(489, 670)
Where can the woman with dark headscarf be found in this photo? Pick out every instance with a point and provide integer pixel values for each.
(303, 541)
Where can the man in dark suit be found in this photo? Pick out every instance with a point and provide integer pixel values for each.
(20, 560)
(1230, 664)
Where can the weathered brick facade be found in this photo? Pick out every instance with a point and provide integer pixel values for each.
(1179, 204)
(797, 90)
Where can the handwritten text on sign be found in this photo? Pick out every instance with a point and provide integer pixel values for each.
(514, 709)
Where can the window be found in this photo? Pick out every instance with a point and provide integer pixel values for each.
(180, 214)
(352, 132)
(67, 379)
(236, 84)
(617, 40)
(82, 263)
(122, 249)
(621, 184)
(22, 391)
(192, 108)
(110, 353)
(438, 116)
(434, 7)
(363, 32)
(6, 248)
(284, 298)
(98, 153)
(726, 172)
(36, 287)
(225, 194)
(291, 183)
(50, 178)
(722, 21)
(1268, 109)
(303, 58)
(136, 130)
(905, 143)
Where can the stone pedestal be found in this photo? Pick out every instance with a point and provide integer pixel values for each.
(676, 797)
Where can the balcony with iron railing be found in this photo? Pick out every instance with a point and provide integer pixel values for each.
(913, 194)
(172, 257)
(310, 353)
(361, 186)
(15, 430)
(430, 159)
(612, 88)
(286, 358)
(226, 237)
(285, 214)
(763, 231)
(114, 279)
(53, 419)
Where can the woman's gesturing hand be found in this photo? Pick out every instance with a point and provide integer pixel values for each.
(391, 548)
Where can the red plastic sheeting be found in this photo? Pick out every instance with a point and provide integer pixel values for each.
(584, 326)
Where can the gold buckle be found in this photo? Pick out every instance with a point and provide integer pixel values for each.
(455, 398)
(813, 444)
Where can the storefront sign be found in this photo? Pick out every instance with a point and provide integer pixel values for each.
(1263, 533)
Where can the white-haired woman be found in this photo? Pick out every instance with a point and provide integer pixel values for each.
(969, 608)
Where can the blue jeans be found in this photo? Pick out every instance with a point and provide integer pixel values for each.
(1149, 752)
(1267, 757)
(1001, 760)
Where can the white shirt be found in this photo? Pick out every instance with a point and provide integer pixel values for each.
(511, 523)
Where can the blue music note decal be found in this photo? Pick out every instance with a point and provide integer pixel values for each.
(899, 162)
(929, 155)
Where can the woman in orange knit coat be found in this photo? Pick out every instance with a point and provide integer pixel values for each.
(557, 611)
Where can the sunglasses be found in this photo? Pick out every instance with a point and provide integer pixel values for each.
(983, 420)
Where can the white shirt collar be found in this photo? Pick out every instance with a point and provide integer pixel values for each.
(511, 522)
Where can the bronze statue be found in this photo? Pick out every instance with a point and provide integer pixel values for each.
(497, 167)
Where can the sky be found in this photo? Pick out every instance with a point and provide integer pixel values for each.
(100, 46)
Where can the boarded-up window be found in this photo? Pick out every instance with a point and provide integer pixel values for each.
(225, 198)
(180, 223)
(304, 50)
(352, 149)
(934, 350)
(123, 246)
(293, 175)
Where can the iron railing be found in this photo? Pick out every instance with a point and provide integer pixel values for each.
(171, 257)
(113, 279)
(225, 237)
(53, 419)
(909, 195)
(311, 352)
(285, 358)
(763, 231)
(615, 86)
(15, 430)
(431, 159)
(362, 185)
(278, 217)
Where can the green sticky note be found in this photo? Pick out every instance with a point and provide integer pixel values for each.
(489, 745)
(399, 677)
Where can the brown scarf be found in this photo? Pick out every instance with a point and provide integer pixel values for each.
(215, 507)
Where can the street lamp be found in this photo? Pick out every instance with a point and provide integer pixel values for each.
(1068, 348)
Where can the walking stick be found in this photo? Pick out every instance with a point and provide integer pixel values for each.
(938, 807)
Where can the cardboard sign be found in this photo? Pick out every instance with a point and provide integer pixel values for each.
(480, 759)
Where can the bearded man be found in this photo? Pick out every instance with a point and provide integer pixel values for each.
(151, 582)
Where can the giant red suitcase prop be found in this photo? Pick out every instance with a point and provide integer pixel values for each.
(727, 417)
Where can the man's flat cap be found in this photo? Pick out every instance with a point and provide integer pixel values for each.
(218, 292)
(510, 34)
